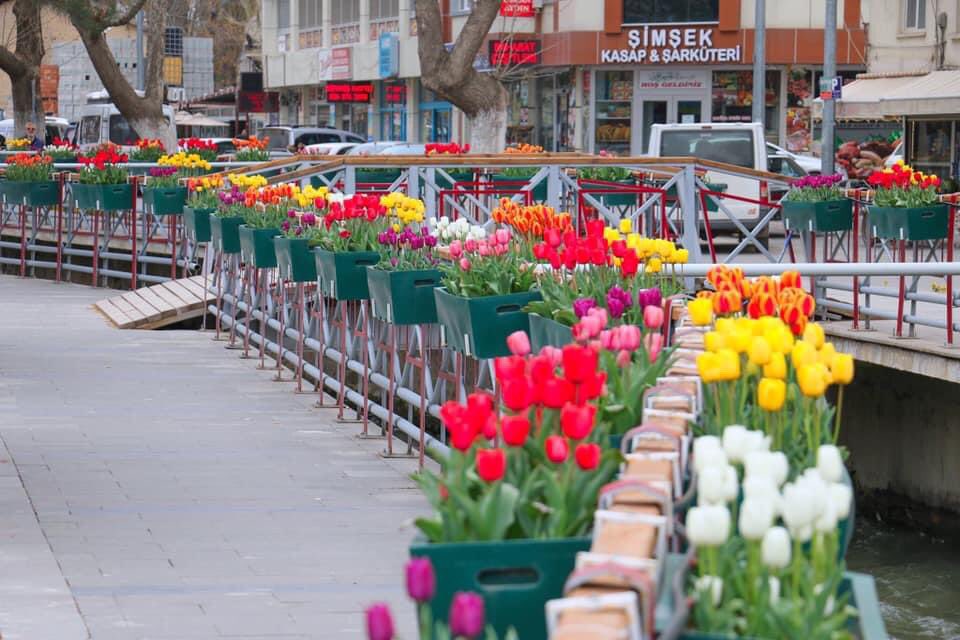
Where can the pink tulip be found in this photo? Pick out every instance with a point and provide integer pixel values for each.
(606, 339)
(630, 337)
(519, 343)
(654, 343)
(653, 317)
(456, 249)
(484, 250)
(502, 236)
(623, 358)
(601, 314)
(501, 249)
(465, 264)
(470, 246)
(552, 353)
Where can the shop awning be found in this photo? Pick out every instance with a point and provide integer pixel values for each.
(934, 94)
(863, 98)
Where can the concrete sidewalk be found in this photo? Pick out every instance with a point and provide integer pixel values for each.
(182, 492)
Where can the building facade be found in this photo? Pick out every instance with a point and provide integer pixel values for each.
(587, 75)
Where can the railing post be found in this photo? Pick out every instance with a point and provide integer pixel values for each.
(687, 193)
(554, 186)
(430, 194)
(413, 181)
(349, 180)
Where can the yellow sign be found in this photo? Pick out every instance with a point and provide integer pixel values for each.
(173, 71)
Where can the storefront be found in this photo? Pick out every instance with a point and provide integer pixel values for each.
(393, 110)
(435, 117)
(350, 102)
(539, 111)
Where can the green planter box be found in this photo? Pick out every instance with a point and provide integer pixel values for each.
(547, 331)
(165, 201)
(514, 184)
(821, 217)
(35, 194)
(515, 578)
(376, 177)
(916, 223)
(104, 197)
(478, 327)
(413, 290)
(343, 275)
(295, 259)
(196, 222)
(615, 198)
(256, 246)
(225, 233)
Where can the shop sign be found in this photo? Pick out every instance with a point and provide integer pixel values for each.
(334, 64)
(514, 53)
(389, 55)
(672, 80)
(516, 8)
(258, 102)
(654, 45)
(349, 91)
(395, 93)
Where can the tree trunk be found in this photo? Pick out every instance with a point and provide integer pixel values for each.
(24, 69)
(488, 128)
(25, 90)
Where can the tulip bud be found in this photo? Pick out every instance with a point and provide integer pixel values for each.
(708, 525)
(710, 488)
(756, 517)
(772, 464)
(842, 368)
(775, 548)
(653, 317)
(705, 442)
(735, 442)
(466, 615)
(421, 579)
(826, 522)
(577, 421)
(764, 489)
(776, 368)
(829, 463)
(841, 496)
(515, 430)
(799, 510)
(491, 464)
(709, 457)
(771, 393)
(587, 455)
(518, 343)
(653, 343)
(556, 448)
(701, 311)
(710, 586)
(379, 622)
(759, 351)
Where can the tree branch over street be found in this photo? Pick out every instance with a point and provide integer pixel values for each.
(23, 64)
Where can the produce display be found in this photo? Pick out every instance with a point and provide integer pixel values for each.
(859, 159)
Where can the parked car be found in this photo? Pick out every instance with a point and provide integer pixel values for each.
(372, 148)
(101, 121)
(55, 128)
(329, 148)
(739, 144)
(284, 140)
(810, 164)
(405, 149)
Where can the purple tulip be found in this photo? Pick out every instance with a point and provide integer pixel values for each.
(298, 231)
(291, 213)
(421, 581)
(649, 297)
(615, 307)
(286, 225)
(430, 241)
(466, 614)
(379, 622)
(582, 305)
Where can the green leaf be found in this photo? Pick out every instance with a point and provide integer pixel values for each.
(501, 511)
(431, 527)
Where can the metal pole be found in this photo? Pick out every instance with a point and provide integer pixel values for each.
(828, 269)
(760, 62)
(829, 71)
(141, 77)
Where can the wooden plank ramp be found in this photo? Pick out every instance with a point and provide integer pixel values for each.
(156, 306)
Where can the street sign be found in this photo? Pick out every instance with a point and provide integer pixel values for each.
(837, 88)
(826, 88)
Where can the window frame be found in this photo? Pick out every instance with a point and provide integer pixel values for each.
(317, 11)
(920, 11)
(340, 4)
(716, 20)
(286, 18)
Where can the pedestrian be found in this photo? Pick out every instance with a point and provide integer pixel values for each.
(36, 142)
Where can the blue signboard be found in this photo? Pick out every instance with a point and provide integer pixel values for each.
(389, 55)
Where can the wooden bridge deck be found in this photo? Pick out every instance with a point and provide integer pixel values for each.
(156, 306)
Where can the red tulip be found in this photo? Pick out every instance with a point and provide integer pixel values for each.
(509, 367)
(491, 464)
(480, 404)
(552, 236)
(515, 430)
(519, 343)
(556, 448)
(593, 388)
(462, 437)
(587, 455)
(518, 394)
(579, 363)
(630, 264)
(555, 392)
(453, 414)
(577, 421)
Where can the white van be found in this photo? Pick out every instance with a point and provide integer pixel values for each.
(101, 121)
(739, 144)
(55, 128)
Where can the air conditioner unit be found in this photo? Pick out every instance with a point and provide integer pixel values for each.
(538, 4)
(176, 94)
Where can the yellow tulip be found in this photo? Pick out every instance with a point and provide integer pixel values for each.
(814, 335)
(626, 226)
(842, 368)
(776, 367)
(681, 256)
(654, 265)
(725, 326)
(781, 340)
(827, 353)
(728, 365)
(701, 311)
(713, 341)
(707, 366)
(771, 394)
(739, 340)
(813, 379)
(802, 353)
(760, 351)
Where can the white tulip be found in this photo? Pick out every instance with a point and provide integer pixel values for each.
(762, 488)
(766, 463)
(827, 520)
(775, 548)
(774, 583)
(710, 489)
(445, 221)
(819, 489)
(830, 463)
(712, 585)
(841, 496)
(708, 525)
(735, 442)
(756, 441)
(731, 484)
(799, 510)
(709, 458)
(705, 442)
(756, 517)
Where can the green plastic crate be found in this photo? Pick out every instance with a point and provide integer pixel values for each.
(165, 201)
(516, 578)
(103, 197)
(34, 194)
(225, 233)
(295, 260)
(478, 327)
(909, 223)
(343, 275)
(196, 222)
(547, 331)
(256, 246)
(820, 217)
(413, 290)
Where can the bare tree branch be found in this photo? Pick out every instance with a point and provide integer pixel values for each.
(126, 17)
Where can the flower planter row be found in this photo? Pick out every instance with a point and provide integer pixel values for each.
(892, 223)
(105, 197)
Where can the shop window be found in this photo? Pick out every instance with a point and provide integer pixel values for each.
(733, 98)
(655, 11)
(311, 13)
(930, 146)
(614, 104)
(384, 9)
(798, 116)
(283, 14)
(914, 15)
(344, 11)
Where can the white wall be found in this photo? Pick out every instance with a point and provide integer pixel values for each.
(892, 49)
(790, 14)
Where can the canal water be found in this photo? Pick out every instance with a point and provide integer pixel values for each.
(917, 576)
